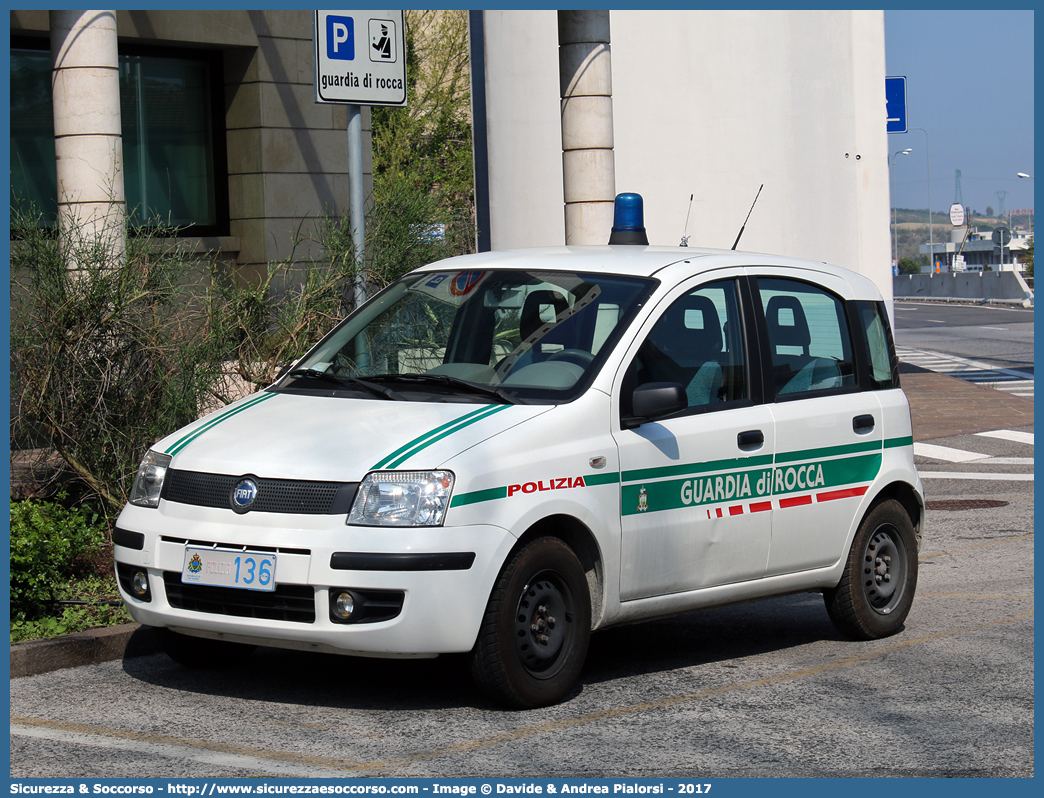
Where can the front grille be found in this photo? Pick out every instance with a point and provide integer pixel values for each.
(301, 497)
(212, 544)
(295, 603)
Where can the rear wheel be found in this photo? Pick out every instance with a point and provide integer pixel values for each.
(202, 652)
(534, 635)
(877, 589)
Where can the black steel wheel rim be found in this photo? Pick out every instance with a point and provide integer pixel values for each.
(884, 569)
(544, 624)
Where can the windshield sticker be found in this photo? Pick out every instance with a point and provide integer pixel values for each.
(213, 422)
(465, 282)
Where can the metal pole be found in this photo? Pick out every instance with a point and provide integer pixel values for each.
(891, 177)
(356, 209)
(931, 234)
(895, 233)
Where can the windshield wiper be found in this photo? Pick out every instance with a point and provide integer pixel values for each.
(346, 382)
(456, 382)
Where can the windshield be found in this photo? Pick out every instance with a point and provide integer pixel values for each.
(476, 336)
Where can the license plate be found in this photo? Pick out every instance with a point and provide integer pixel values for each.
(250, 570)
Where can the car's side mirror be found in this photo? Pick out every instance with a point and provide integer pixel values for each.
(655, 400)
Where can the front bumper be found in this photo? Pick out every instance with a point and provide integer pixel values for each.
(442, 575)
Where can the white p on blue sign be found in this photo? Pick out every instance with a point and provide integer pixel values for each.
(340, 38)
(360, 57)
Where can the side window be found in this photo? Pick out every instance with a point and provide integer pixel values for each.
(880, 351)
(808, 337)
(697, 342)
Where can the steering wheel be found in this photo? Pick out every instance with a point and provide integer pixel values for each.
(580, 357)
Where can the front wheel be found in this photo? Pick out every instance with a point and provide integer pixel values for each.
(534, 635)
(877, 588)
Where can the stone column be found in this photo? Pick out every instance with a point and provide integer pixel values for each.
(87, 138)
(588, 165)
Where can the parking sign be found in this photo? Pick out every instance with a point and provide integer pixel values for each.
(360, 57)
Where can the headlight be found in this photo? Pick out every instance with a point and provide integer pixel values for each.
(402, 498)
(149, 481)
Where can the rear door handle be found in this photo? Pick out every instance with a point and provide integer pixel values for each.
(751, 439)
(863, 423)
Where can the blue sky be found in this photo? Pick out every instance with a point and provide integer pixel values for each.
(970, 86)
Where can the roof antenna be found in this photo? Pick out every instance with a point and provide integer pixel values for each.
(744, 227)
(685, 238)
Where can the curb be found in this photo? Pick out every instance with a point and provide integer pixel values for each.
(1024, 303)
(83, 648)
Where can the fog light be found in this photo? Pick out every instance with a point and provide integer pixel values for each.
(140, 584)
(344, 605)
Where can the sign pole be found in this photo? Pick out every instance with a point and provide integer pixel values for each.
(360, 59)
(356, 208)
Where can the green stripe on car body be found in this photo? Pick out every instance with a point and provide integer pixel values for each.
(894, 443)
(689, 469)
(477, 496)
(181, 443)
(844, 465)
(492, 494)
(828, 451)
(422, 442)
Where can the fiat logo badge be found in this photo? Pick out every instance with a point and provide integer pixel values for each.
(244, 495)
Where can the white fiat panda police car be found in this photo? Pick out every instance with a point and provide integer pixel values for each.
(501, 453)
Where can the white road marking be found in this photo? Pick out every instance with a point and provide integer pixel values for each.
(953, 363)
(991, 477)
(1009, 435)
(179, 753)
(1001, 329)
(946, 453)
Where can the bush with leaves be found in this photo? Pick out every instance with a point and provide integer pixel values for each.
(50, 544)
(109, 353)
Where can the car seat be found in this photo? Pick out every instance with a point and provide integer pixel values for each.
(685, 347)
(798, 371)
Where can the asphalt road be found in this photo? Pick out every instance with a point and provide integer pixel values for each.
(995, 334)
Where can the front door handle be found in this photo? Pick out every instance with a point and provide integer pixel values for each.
(751, 439)
(863, 423)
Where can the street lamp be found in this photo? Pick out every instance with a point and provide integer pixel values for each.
(895, 234)
(931, 233)
(1023, 174)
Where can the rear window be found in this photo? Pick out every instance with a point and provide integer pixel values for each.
(880, 350)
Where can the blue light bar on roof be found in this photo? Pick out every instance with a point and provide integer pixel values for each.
(629, 220)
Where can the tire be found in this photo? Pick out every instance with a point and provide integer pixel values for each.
(202, 652)
(877, 588)
(534, 635)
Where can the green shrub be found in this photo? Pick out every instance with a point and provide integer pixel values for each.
(50, 544)
(94, 602)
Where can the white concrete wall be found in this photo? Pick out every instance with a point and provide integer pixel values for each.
(711, 103)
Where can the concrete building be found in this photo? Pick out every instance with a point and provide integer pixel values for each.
(979, 252)
(220, 129)
(711, 104)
